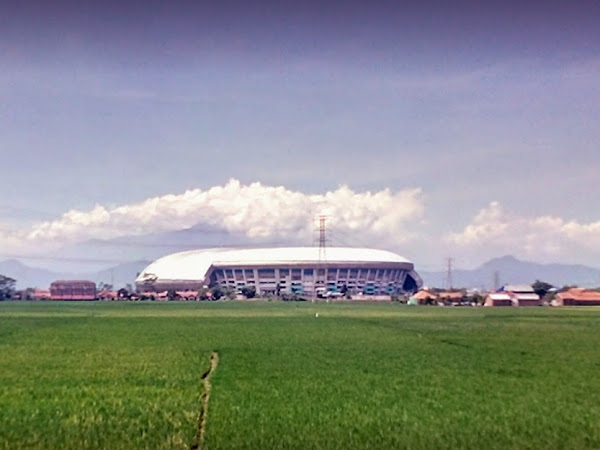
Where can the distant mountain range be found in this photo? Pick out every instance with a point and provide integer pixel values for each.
(89, 260)
(26, 276)
(509, 271)
(78, 257)
(148, 247)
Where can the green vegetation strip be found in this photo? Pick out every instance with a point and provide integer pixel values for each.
(126, 375)
(206, 388)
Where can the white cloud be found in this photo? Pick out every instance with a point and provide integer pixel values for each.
(495, 230)
(256, 211)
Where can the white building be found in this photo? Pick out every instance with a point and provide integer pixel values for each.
(514, 295)
(294, 270)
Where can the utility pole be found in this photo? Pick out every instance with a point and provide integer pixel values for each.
(496, 280)
(449, 273)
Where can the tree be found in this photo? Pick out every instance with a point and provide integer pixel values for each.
(216, 292)
(249, 292)
(102, 286)
(7, 287)
(229, 292)
(541, 288)
(203, 293)
(28, 294)
(478, 298)
(567, 287)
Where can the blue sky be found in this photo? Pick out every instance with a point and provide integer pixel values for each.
(473, 103)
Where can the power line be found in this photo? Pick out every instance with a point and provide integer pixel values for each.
(352, 236)
(338, 239)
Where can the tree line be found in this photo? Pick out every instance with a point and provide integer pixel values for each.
(7, 287)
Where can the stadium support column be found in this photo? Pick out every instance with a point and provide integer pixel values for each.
(257, 283)
(402, 279)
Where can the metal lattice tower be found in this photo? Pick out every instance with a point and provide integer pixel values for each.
(322, 238)
(449, 274)
(320, 277)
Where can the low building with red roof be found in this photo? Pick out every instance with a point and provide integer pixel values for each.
(513, 295)
(107, 295)
(73, 290)
(577, 297)
(187, 295)
(41, 294)
(424, 296)
(498, 299)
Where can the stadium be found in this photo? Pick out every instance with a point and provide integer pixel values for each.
(275, 271)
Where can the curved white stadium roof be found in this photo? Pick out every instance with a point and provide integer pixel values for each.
(195, 264)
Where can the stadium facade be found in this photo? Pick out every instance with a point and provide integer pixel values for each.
(274, 271)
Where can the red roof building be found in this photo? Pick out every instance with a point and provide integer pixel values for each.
(73, 290)
(187, 295)
(40, 294)
(424, 296)
(577, 297)
(513, 296)
(107, 295)
(498, 299)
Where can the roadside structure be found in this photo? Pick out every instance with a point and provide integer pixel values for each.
(451, 296)
(498, 299)
(425, 296)
(41, 294)
(106, 294)
(577, 297)
(187, 295)
(513, 295)
(73, 290)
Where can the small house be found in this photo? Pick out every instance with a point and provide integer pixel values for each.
(498, 299)
(577, 297)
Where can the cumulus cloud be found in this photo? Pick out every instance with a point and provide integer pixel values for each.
(545, 237)
(255, 211)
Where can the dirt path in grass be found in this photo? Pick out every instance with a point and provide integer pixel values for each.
(206, 388)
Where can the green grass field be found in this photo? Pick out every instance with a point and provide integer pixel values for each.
(129, 375)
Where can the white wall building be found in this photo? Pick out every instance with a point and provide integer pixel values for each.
(293, 270)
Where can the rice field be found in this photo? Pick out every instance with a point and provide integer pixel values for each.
(125, 375)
